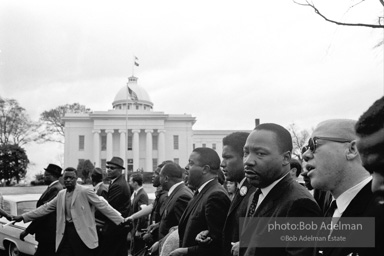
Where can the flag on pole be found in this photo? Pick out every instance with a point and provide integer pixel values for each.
(132, 94)
(136, 61)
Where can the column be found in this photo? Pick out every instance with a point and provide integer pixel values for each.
(109, 144)
(161, 146)
(123, 146)
(136, 149)
(96, 147)
(148, 151)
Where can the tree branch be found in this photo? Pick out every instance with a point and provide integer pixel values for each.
(340, 23)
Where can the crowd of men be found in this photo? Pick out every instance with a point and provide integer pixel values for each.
(192, 214)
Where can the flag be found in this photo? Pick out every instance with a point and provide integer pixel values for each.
(136, 61)
(132, 94)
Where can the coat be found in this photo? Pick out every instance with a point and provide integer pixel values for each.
(84, 200)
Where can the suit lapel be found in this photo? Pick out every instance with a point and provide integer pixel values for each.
(75, 193)
(171, 196)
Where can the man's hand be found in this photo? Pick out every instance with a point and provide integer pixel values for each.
(8, 217)
(203, 238)
(17, 218)
(154, 248)
(179, 252)
(153, 227)
(235, 249)
(22, 235)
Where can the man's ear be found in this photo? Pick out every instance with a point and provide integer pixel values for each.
(352, 152)
(286, 158)
(206, 169)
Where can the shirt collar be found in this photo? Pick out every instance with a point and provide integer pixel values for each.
(98, 185)
(53, 183)
(266, 190)
(173, 187)
(202, 186)
(345, 198)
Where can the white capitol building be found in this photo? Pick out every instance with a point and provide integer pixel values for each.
(133, 131)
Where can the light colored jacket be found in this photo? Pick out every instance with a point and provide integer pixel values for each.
(84, 201)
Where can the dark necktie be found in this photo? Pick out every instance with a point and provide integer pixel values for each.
(252, 207)
(331, 209)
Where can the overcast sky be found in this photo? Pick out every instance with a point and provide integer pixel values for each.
(224, 62)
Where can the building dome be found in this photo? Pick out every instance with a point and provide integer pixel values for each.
(143, 101)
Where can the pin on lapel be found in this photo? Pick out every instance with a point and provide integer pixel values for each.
(243, 190)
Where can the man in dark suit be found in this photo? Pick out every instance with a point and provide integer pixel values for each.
(267, 153)
(208, 208)
(233, 168)
(171, 179)
(45, 228)
(139, 198)
(114, 241)
(334, 165)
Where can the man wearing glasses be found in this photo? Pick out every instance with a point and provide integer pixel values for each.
(114, 240)
(334, 164)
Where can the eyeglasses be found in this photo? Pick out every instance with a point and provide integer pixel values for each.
(312, 143)
(112, 167)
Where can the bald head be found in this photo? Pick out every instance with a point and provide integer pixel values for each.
(336, 128)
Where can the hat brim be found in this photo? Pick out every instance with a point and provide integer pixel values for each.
(116, 165)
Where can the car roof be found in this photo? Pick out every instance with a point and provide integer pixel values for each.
(24, 197)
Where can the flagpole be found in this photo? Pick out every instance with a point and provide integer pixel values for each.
(127, 138)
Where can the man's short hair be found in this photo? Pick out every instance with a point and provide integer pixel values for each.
(158, 168)
(70, 169)
(208, 157)
(236, 141)
(97, 175)
(294, 163)
(137, 177)
(283, 137)
(371, 120)
(173, 171)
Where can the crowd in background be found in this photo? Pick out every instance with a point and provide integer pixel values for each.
(209, 207)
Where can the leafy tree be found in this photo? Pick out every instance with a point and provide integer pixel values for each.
(299, 140)
(13, 162)
(52, 124)
(15, 125)
(84, 169)
(39, 179)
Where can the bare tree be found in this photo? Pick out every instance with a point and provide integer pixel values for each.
(380, 19)
(52, 124)
(299, 140)
(15, 125)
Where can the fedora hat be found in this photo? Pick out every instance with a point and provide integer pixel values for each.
(54, 169)
(117, 161)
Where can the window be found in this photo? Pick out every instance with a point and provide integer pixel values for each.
(103, 142)
(155, 143)
(176, 160)
(129, 143)
(214, 146)
(204, 145)
(154, 163)
(194, 146)
(103, 164)
(137, 106)
(130, 165)
(81, 142)
(175, 141)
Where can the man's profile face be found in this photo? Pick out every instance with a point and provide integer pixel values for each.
(371, 150)
(156, 178)
(70, 180)
(232, 164)
(195, 171)
(263, 161)
(48, 178)
(113, 171)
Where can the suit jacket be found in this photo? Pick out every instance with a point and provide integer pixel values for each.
(286, 199)
(237, 210)
(140, 199)
(206, 211)
(45, 227)
(84, 201)
(364, 204)
(174, 208)
(119, 196)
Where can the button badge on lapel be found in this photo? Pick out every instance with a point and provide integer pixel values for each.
(243, 190)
